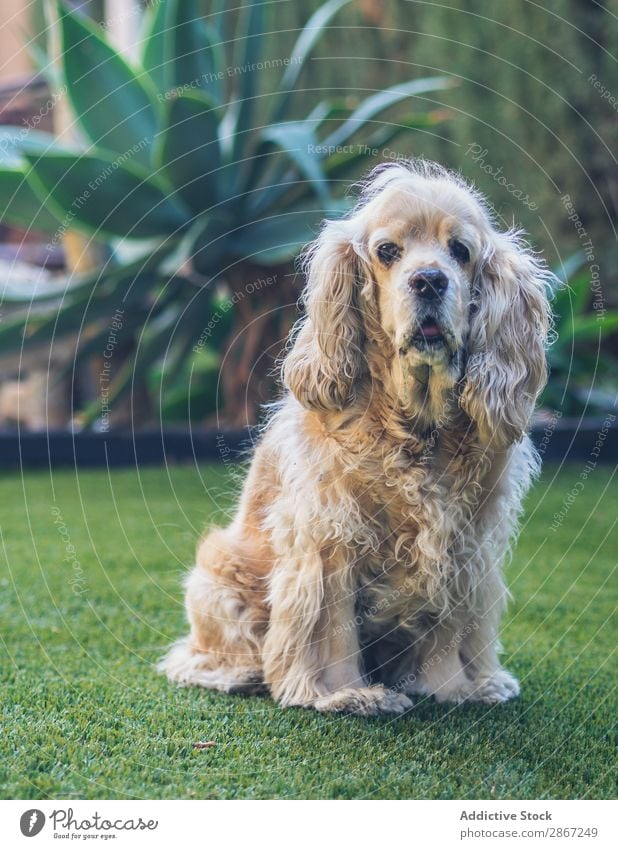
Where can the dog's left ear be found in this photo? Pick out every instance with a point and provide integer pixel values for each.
(327, 358)
(506, 366)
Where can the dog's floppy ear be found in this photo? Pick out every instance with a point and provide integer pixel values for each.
(506, 366)
(327, 359)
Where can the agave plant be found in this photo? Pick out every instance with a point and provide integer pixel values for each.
(200, 186)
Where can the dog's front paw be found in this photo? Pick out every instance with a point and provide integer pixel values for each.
(488, 689)
(496, 688)
(364, 701)
(247, 682)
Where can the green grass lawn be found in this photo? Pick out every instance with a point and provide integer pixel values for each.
(88, 606)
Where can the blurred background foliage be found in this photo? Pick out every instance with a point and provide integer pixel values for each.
(520, 103)
(524, 97)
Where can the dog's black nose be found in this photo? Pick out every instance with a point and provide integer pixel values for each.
(429, 283)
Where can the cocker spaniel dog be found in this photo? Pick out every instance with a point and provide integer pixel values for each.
(364, 562)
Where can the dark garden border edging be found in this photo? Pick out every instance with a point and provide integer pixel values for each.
(591, 440)
(120, 448)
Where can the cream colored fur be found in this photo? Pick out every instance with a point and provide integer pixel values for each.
(364, 563)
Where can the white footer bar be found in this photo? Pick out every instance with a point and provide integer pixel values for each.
(315, 825)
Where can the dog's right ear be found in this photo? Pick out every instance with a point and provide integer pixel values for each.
(327, 359)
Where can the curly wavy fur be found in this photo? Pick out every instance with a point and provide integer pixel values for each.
(364, 563)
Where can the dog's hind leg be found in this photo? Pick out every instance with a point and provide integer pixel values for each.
(226, 610)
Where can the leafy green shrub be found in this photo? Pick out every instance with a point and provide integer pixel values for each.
(582, 376)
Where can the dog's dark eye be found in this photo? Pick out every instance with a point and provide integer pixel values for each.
(388, 252)
(459, 251)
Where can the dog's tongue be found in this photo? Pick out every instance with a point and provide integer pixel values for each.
(430, 328)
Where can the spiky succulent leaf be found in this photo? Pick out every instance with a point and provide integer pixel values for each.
(298, 141)
(189, 150)
(103, 196)
(572, 297)
(585, 328)
(341, 164)
(16, 141)
(21, 206)
(208, 243)
(277, 239)
(376, 104)
(182, 52)
(285, 188)
(568, 267)
(310, 35)
(154, 54)
(115, 107)
(88, 299)
(238, 121)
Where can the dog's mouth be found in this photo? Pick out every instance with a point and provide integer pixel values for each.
(432, 339)
(429, 334)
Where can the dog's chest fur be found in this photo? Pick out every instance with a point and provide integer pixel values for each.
(418, 548)
(408, 522)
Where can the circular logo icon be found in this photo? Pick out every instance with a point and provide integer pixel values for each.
(32, 822)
